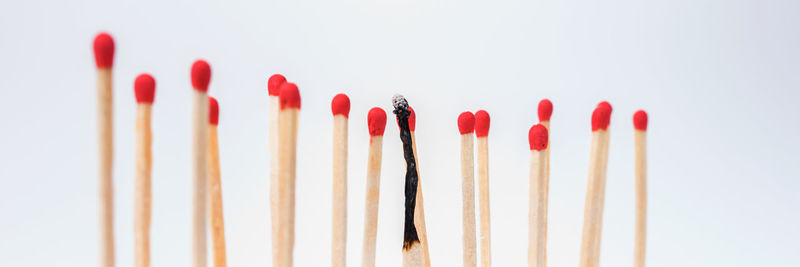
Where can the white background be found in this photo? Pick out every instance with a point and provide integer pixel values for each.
(719, 79)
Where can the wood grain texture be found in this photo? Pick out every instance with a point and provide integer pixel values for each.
(142, 205)
(339, 201)
(200, 164)
(640, 169)
(372, 200)
(483, 200)
(595, 198)
(215, 199)
(468, 200)
(105, 183)
(537, 209)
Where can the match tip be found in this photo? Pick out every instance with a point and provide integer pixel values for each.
(145, 88)
(399, 102)
(201, 75)
(601, 117)
(341, 105)
(289, 96)
(481, 123)
(376, 121)
(213, 111)
(640, 120)
(466, 122)
(412, 119)
(274, 84)
(537, 137)
(103, 50)
(545, 110)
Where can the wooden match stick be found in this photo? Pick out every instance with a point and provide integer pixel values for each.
(640, 167)
(419, 211)
(376, 121)
(201, 76)
(144, 88)
(274, 88)
(340, 106)
(595, 191)
(545, 110)
(215, 186)
(412, 252)
(466, 126)
(287, 162)
(104, 59)
(482, 120)
(537, 205)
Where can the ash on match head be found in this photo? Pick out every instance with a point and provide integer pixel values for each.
(537, 137)
(640, 120)
(213, 111)
(103, 50)
(376, 121)
(201, 75)
(399, 102)
(545, 110)
(466, 122)
(601, 116)
(144, 87)
(289, 96)
(340, 105)
(274, 84)
(481, 123)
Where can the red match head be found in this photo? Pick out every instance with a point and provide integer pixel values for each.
(601, 116)
(466, 122)
(201, 75)
(640, 120)
(545, 110)
(481, 123)
(213, 111)
(274, 84)
(376, 121)
(412, 120)
(537, 137)
(145, 88)
(341, 105)
(103, 50)
(289, 96)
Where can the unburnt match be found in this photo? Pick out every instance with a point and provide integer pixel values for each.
(640, 170)
(595, 191)
(144, 89)
(544, 111)
(537, 205)
(376, 122)
(287, 163)
(274, 89)
(412, 253)
(466, 126)
(104, 59)
(340, 106)
(201, 76)
(215, 187)
(482, 121)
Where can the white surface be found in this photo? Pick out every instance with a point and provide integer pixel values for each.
(718, 78)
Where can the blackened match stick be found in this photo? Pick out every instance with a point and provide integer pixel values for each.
(640, 170)
(412, 254)
(466, 126)
(104, 59)
(340, 106)
(376, 121)
(144, 89)
(215, 187)
(201, 76)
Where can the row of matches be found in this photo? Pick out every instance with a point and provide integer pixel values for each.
(284, 106)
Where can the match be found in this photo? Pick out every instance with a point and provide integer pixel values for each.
(419, 211)
(274, 89)
(340, 106)
(144, 89)
(595, 191)
(215, 187)
(287, 164)
(482, 120)
(104, 59)
(640, 170)
(466, 126)
(376, 122)
(201, 76)
(412, 253)
(545, 110)
(537, 205)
